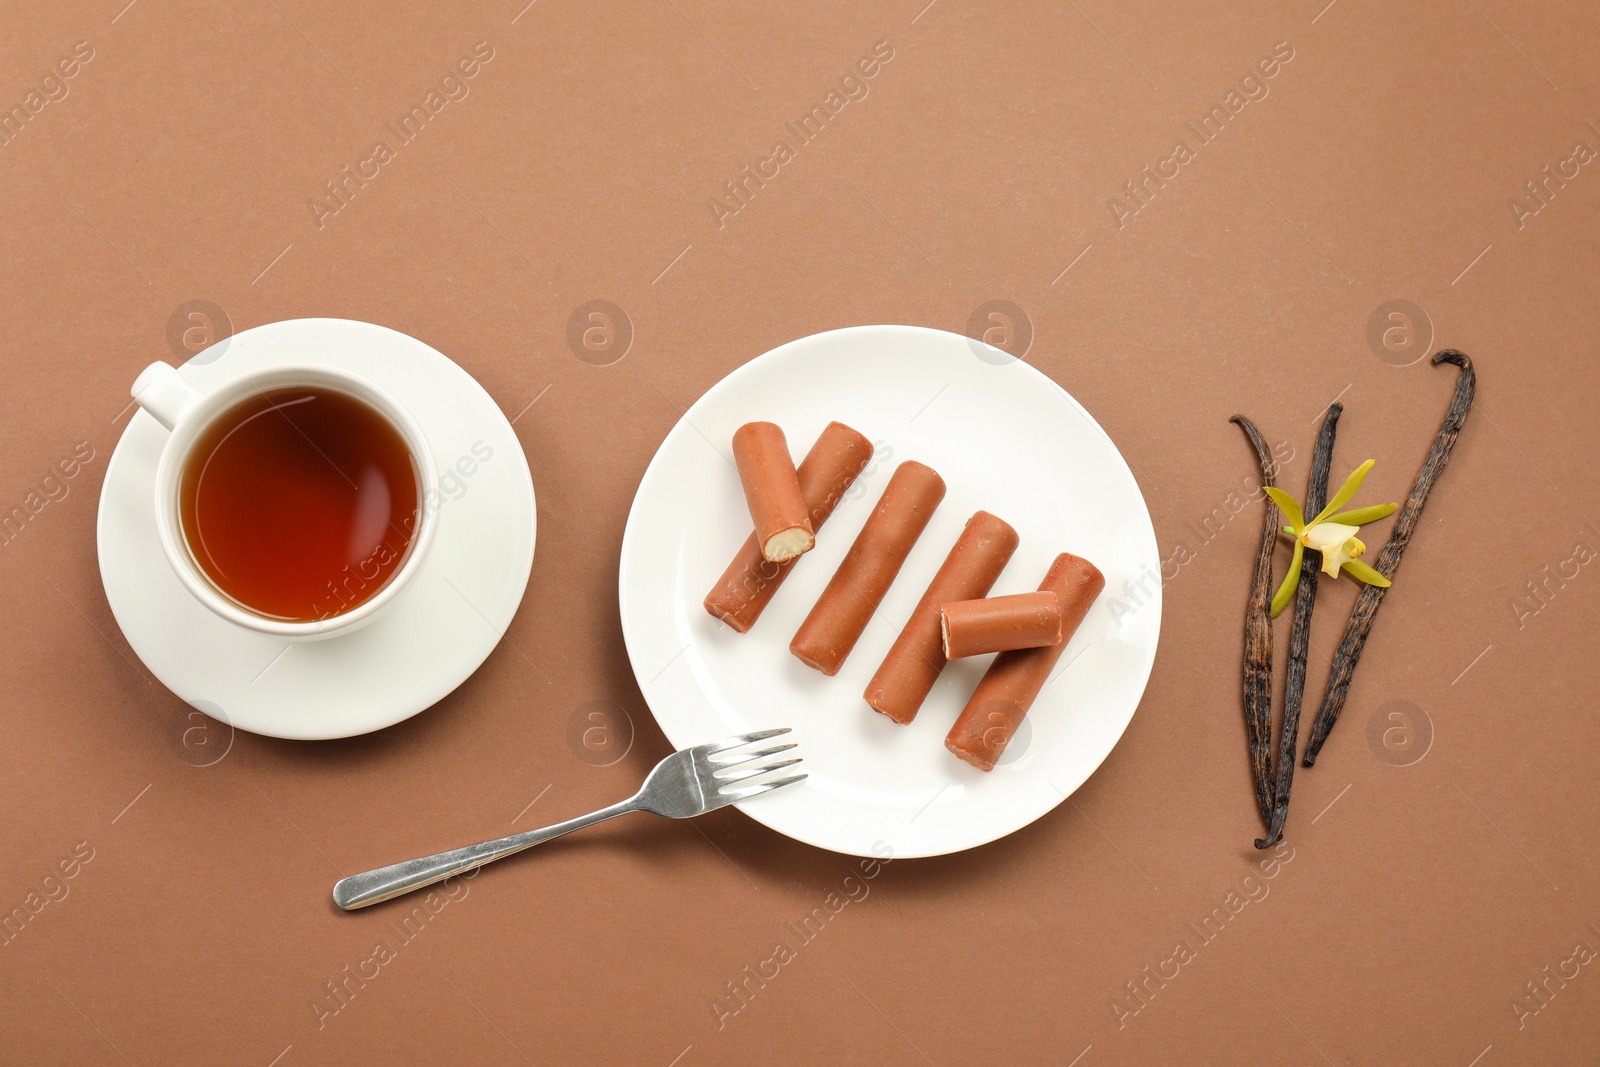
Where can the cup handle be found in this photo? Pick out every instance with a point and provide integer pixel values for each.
(164, 393)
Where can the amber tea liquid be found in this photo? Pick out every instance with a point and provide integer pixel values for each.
(299, 503)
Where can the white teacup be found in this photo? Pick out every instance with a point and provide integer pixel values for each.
(164, 392)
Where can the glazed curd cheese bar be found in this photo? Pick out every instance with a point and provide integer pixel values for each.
(1013, 681)
(772, 491)
(857, 588)
(912, 666)
(827, 472)
(1001, 623)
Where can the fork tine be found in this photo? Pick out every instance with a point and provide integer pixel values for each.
(745, 774)
(736, 758)
(764, 787)
(744, 739)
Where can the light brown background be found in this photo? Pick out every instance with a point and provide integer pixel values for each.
(1420, 899)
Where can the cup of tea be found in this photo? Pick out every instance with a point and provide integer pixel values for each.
(289, 501)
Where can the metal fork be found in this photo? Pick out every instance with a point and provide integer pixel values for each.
(685, 784)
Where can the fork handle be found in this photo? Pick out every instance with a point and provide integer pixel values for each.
(382, 883)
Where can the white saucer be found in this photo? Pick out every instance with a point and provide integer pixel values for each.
(1006, 439)
(431, 638)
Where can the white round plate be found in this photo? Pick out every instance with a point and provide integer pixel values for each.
(426, 643)
(1006, 439)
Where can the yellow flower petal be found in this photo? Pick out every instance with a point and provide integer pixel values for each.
(1365, 573)
(1286, 504)
(1327, 534)
(1291, 582)
(1362, 516)
(1346, 491)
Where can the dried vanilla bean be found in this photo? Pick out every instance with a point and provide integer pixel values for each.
(1305, 600)
(1366, 609)
(1258, 636)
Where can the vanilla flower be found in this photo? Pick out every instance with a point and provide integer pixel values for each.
(1332, 534)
